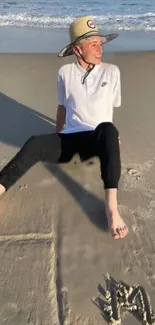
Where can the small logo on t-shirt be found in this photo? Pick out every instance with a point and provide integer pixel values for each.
(103, 84)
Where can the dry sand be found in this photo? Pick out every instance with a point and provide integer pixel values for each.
(53, 236)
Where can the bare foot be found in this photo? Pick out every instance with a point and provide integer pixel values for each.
(116, 225)
(2, 189)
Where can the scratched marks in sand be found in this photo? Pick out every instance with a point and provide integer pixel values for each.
(120, 298)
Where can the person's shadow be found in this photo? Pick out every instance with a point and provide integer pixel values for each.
(17, 123)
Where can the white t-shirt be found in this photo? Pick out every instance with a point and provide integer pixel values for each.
(91, 103)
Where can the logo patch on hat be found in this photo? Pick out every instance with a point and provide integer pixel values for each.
(91, 24)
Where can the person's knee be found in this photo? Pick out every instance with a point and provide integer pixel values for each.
(107, 128)
(32, 139)
(31, 143)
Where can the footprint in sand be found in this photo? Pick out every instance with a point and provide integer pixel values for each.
(132, 178)
(135, 228)
(22, 187)
(133, 172)
(143, 213)
(148, 164)
(152, 204)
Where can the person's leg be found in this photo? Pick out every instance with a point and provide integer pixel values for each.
(105, 141)
(48, 147)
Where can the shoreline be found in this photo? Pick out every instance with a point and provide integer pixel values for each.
(45, 40)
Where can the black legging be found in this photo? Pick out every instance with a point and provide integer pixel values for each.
(60, 148)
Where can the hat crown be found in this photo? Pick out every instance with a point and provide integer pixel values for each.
(82, 26)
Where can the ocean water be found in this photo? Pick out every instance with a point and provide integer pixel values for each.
(134, 15)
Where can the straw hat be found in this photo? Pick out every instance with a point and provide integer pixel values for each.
(81, 28)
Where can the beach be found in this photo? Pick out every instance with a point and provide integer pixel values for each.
(55, 246)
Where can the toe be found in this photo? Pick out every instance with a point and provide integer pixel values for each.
(115, 234)
(123, 231)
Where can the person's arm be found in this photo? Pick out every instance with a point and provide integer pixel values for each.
(60, 118)
(117, 92)
(116, 88)
(61, 110)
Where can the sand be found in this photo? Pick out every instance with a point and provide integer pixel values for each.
(55, 246)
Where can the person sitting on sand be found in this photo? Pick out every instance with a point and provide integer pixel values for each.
(88, 90)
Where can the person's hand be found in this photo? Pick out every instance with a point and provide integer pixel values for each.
(119, 140)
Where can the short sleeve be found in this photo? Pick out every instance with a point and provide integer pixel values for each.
(116, 88)
(60, 90)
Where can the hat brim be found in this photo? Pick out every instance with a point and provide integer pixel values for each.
(68, 50)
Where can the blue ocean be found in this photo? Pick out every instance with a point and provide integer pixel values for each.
(135, 15)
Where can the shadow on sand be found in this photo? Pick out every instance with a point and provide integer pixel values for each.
(17, 124)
